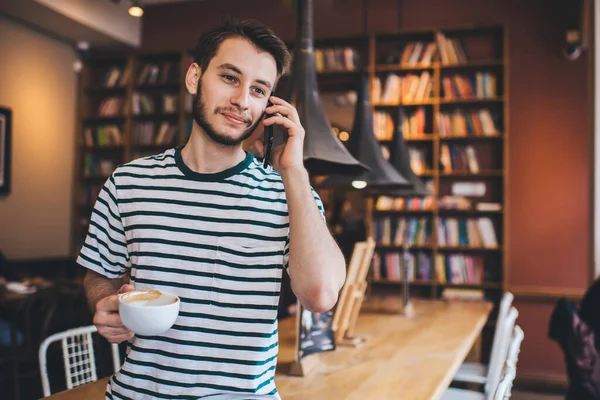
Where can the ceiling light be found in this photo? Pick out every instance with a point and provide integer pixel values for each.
(136, 10)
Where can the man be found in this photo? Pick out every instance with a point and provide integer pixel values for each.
(210, 224)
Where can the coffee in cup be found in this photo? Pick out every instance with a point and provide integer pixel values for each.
(148, 312)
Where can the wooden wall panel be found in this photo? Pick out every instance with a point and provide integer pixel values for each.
(335, 18)
(539, 355)
(383, 16)
(169, 27)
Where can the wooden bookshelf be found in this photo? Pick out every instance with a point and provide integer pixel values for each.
(463, 87)
(130, 106)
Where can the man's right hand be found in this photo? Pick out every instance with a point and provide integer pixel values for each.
(107, 318)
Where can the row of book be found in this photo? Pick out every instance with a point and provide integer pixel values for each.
(115, 76)
(111, 106)
(427, 203)
(150, 133)
(454, 269)
(478, 122)
(471, 232)
(143, 103)
(458, 157)
(392, 231)
(87, 194)
(148, 73)
(451, 50)
(480, 85)
(336, 59)
(411, 123)
(102, 135)
(451, 231)
(402, 89)
(388, 265)
(387, 203)
(418, 53)
(383, 125)
(94, 166)
(418, 160)
(459, 268)
(158, 73)
(421, 53)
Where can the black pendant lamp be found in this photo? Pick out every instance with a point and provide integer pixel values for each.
(363, 145)
(324, 153)
(400, 159)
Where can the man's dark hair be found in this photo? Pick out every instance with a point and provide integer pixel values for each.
(263, 38)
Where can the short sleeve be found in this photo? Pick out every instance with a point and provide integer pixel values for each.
(105, 248)
(286, 250)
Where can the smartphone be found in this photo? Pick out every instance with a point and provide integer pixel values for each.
(274, 136)
(268, 140)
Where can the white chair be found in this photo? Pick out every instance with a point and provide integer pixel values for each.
(494, 370)
(515, 347)
(471, 372)
(504, 388)
(78, 357)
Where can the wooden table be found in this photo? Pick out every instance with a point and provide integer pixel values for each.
(409, 359)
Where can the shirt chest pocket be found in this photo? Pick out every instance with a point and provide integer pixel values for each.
(247, 275)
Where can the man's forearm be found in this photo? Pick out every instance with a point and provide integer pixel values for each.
(98, 287)
(317, 267)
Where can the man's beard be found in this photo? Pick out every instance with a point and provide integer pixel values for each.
(199, 115)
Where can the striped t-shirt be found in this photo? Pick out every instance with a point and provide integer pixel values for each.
(219, 242)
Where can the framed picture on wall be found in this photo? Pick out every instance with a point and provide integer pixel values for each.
(5, 132)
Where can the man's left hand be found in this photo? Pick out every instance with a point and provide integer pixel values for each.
(291, 154)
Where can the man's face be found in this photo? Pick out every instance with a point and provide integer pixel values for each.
(233, 91)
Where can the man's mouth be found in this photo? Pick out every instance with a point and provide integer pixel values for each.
(234, 119)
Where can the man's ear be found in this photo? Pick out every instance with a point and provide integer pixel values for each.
(192, 77)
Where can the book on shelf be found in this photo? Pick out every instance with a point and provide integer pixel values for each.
(102, 135)
(454, 203)
(468, 232)
(480, 85)
(417, 159)
(111, 106)
(144, 104)
(411, 123)
(158, 73)
(466, 204)
(459, 268)
(87, 194)
(116, 76)
(390, 231)
(151, 133)
(387, 203)
(465, 123)
(488, 206)
(458, 158)
(336, 59)
(398, 89)
(387, 266)
(451, 50)
(418, 53)
(383, 125)
(94, 166)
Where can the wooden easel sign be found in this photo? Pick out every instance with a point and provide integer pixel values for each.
(353, 294)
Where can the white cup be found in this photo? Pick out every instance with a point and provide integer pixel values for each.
(148, 312)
